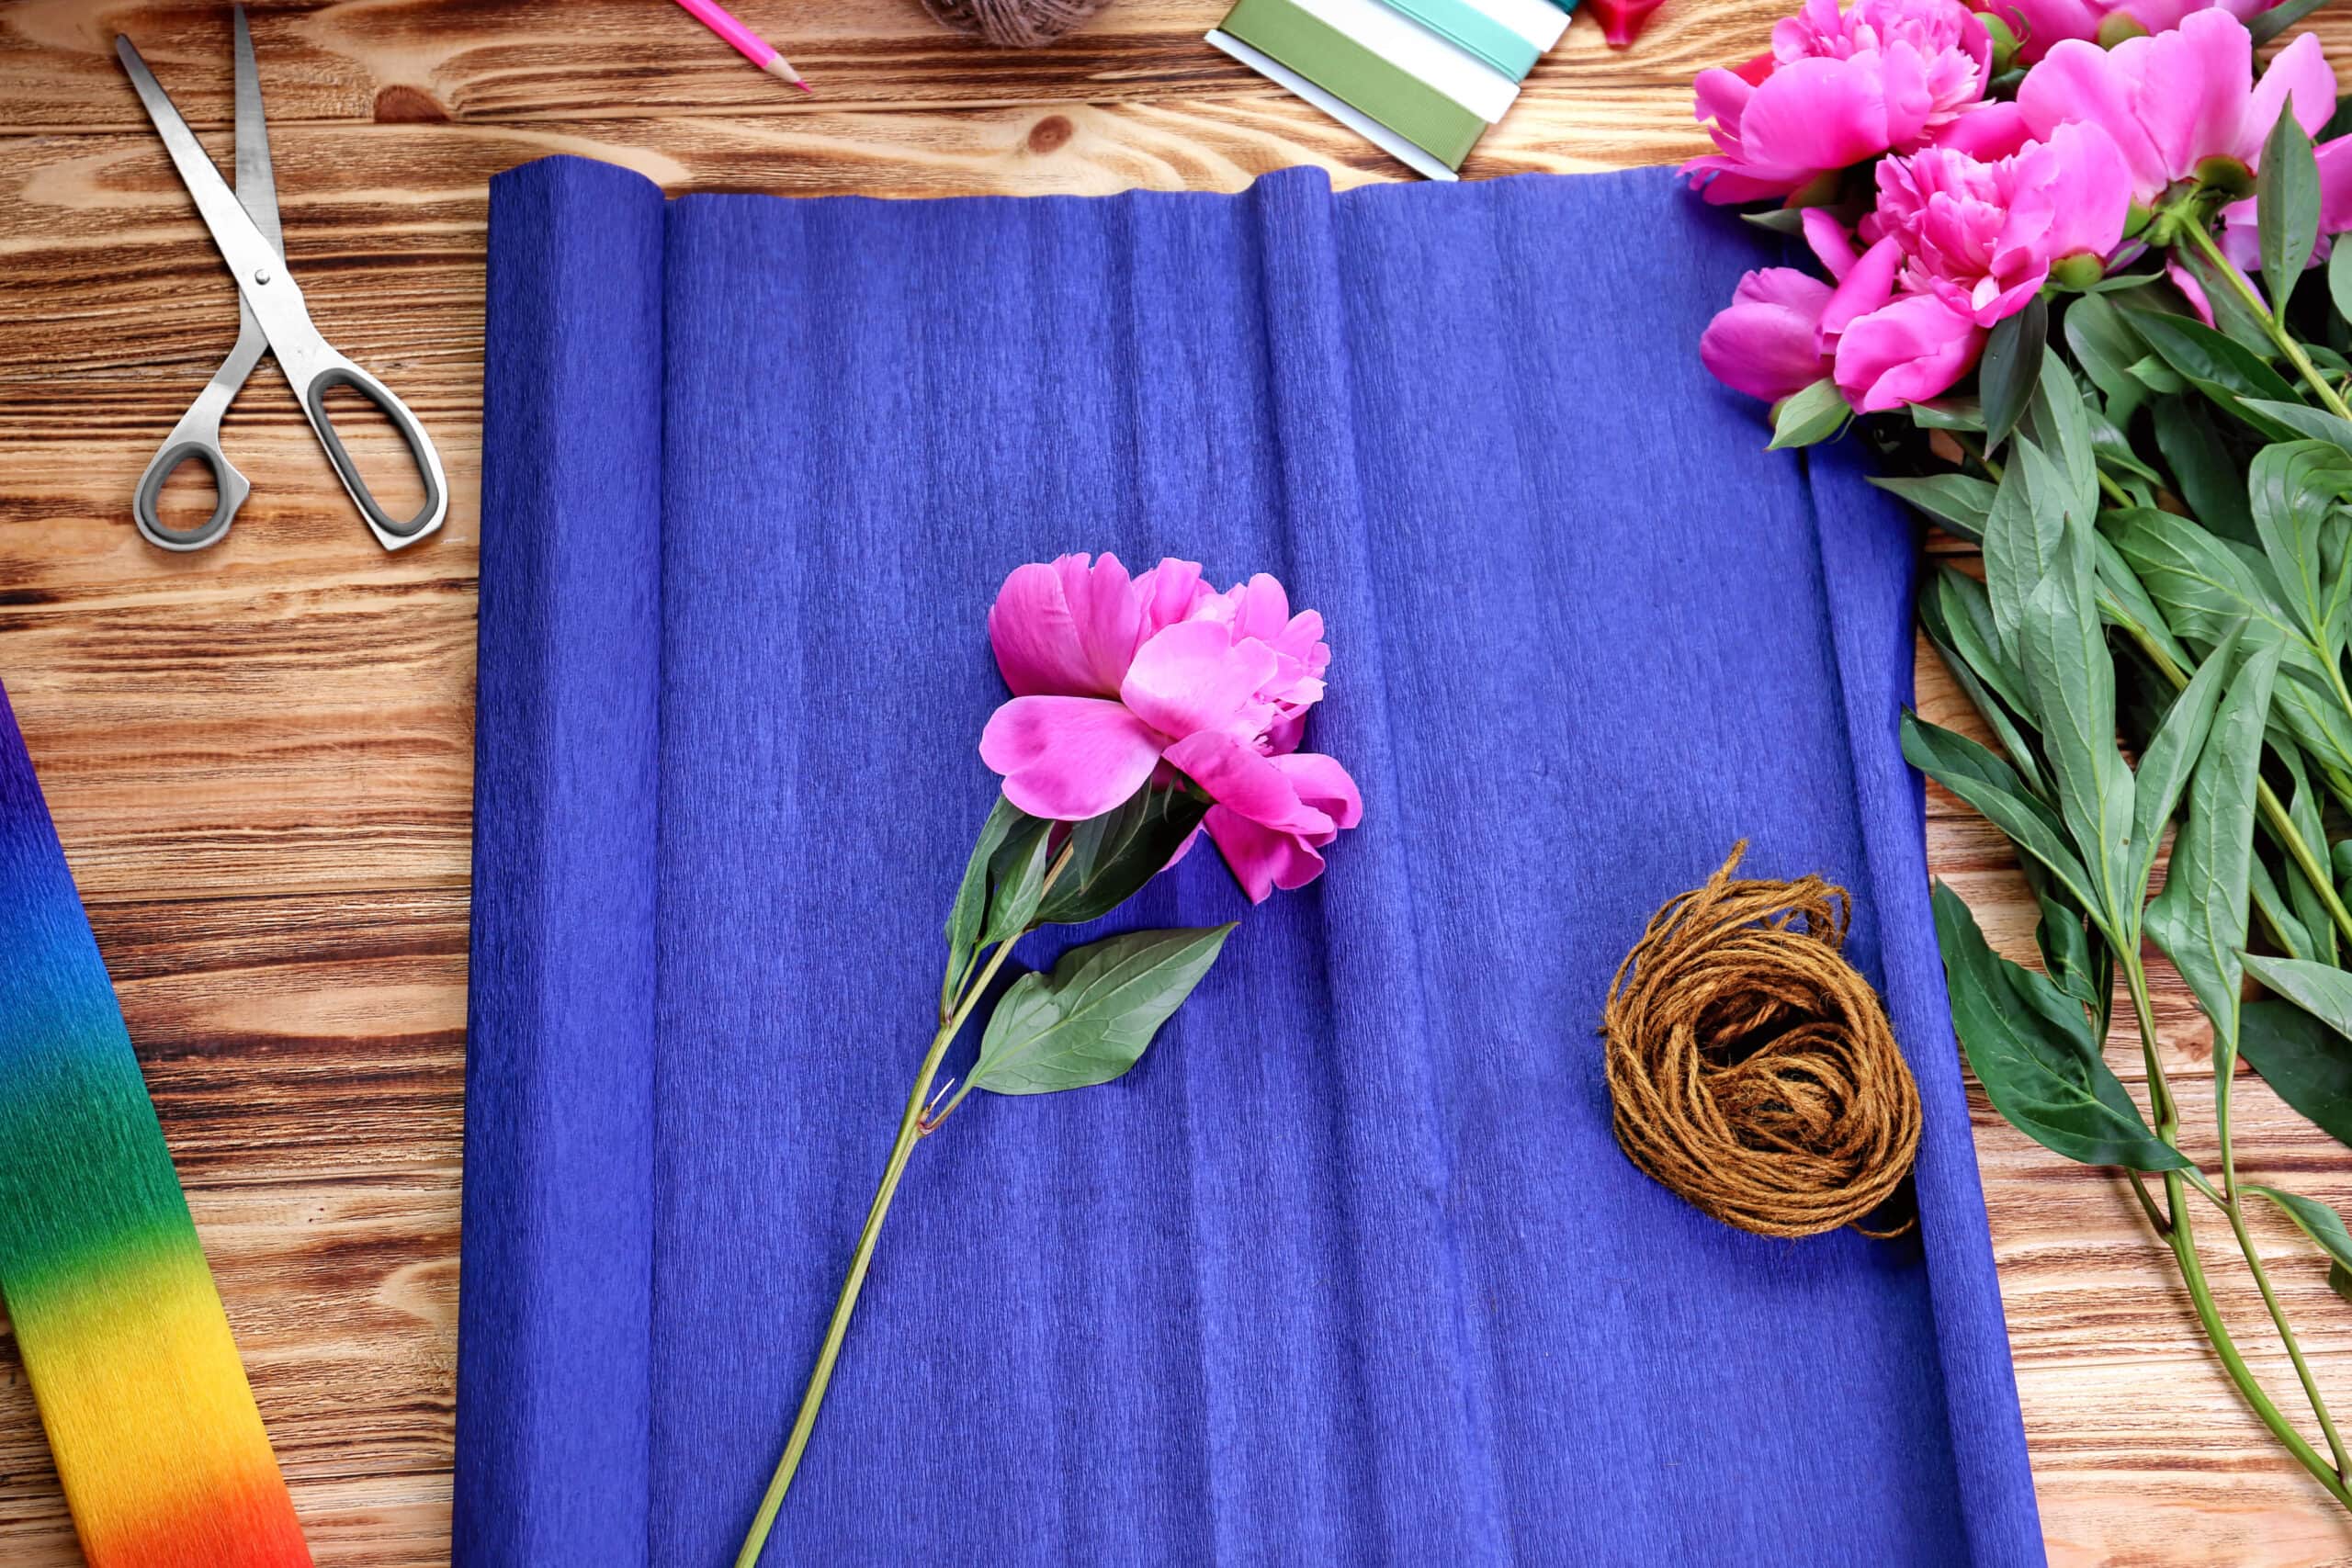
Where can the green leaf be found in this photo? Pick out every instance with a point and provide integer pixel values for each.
(2158, 376)
(1957, 501)
(2077, 965)
(2242, 322)
(1950, 630)
(2070, 676)
(2295, 489)
(2170, 756)
(1966, 414)
(2011, 368)
(2320, 989)
(1091, 1020)
(2278, 20)
(1963, 612)
(1112, 855)
(972, 893)
(2285, 925)
(2115, 453)
(2339, 282)
(2303, 810)
(2056, 420)
(2222, 368)
(2202, 586)
(2030, 1046)
(2125, 603)
(1982, 779)
(2306, 1063)
(1017, 877)
(1812, 415)
(2199, 919)
(2025, 534)
(1778, 220)
(2317, 424)
(2325, 1228)
(2203, 469)
(2286, 208)
(2105, 347)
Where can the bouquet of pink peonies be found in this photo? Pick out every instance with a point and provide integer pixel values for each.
(1146, 711)
(2065, 295)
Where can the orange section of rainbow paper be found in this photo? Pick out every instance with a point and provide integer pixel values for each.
(161, 1450)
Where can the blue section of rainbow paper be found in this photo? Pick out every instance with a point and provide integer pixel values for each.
(1349, 1269)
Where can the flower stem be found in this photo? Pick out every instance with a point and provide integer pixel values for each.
(2270, 324)
(2200, 1296)
(2181, 1235)
(910, 1125)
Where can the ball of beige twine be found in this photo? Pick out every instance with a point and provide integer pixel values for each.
(1012, 24)
(1753, 1070)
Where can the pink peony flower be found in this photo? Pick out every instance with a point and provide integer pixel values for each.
(1767, 342)
(1837, 88)
(1982, 236)
(1118, 682)
(2042, 24)
(2173, 100)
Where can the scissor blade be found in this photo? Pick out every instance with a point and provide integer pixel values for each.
(256, 186)
(248, 252)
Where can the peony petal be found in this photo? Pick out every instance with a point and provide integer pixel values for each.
(2334, 160)
(2091, 194)
(1036, 640)
(1905, 353)
(2043, 24)
(1817, 114)
(2192, 89)
(1324, 785)
(1260, 858)
(1068, 757)
(1195, 676)
(1862, 290)
(1108, 612)
(1238, 777)
(1766, 342)
(2300, 69)
(1989, 130)
(1261, 608)
(2190, 289)
(2081, 81)
(1170, 592)
(1830, 244)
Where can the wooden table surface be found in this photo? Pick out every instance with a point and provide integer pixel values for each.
(260, 758)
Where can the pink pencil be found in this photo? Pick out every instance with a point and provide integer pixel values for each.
(754, 48)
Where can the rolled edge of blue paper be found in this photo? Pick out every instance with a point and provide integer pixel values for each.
(1862, 540)
(555, 1309)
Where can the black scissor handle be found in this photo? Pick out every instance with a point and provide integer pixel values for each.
(146, 502)
(392, 532)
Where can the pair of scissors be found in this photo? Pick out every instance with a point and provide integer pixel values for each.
(271, 318)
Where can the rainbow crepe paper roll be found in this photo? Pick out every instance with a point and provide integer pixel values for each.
(157, 1441)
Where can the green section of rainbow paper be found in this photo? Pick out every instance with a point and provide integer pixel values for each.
(158, 1445)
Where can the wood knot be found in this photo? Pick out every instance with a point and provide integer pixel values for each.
(402, 105)
(1752, 1069)
(1050, 133)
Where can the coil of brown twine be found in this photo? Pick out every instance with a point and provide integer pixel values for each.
(1753, 1070)
(1012, 24)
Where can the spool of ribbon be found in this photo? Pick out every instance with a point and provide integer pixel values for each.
(157, 1441)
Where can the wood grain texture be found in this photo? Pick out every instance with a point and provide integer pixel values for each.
(260, 758)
